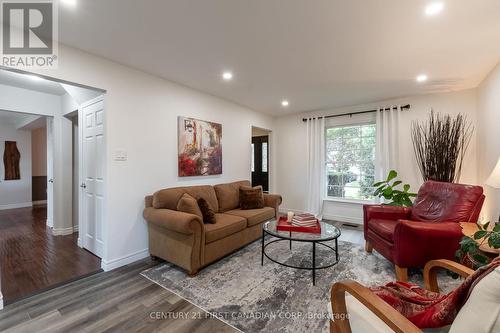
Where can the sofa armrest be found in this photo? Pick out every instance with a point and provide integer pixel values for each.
(441, 240)
(274, 201)
(391, 317)
(173, 220)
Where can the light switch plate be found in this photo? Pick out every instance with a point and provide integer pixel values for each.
(120, 155)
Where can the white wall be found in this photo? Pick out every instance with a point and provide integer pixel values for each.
(489, 139)
(291, 139)
(141, 118)
(16, 193)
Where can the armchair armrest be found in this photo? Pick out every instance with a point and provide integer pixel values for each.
(396, 321)
(181, 222)
(272, 200)
(430, 270)
(441, 241)
(386, 212)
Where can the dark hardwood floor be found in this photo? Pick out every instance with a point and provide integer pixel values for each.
(117, 301)
(32, 259)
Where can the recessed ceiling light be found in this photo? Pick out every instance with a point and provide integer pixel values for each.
(434, 8)
(71, 3)
(34, 77)
(422, 78)
(284, 103)
(227, 76)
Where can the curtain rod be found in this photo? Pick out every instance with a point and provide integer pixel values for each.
(403, 107)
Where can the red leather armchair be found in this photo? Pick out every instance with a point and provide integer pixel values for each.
(410, 237)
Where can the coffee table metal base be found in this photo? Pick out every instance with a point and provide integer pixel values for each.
(314, 242)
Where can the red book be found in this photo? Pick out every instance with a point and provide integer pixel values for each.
(284, 225)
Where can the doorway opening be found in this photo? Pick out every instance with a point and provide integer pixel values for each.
(260, 158)
(41, 207)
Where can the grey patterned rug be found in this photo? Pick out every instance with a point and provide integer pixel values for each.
(274, 298)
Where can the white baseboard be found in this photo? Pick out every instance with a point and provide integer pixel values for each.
(16, 205)
(1, 301)
(39, 202)
(79, 242)
(64, 231)
(334, 217)
(108, 265)
(346, 219)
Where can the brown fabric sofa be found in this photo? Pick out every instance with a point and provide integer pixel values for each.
(183, 239)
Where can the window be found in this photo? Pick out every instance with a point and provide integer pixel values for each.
(350, 157)
(264, 156)
(253, 157)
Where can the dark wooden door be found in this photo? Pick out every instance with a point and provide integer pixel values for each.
(260, 162)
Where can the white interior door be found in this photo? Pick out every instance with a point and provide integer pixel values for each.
(50, 172)
(92, 162)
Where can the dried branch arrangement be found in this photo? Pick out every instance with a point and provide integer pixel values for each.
(440, 145)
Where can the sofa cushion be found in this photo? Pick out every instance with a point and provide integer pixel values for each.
(228, 195)
(225, 225)
(207, 212)
(168, 198)
(251, 197)
(188, 204)
(383, 228)
(254, 216)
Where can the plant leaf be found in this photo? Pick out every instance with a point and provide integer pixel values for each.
(480, 258)
(396, 183)
(392, 174)
(480, 234)
(494, 240)
(406, 187)
(486, 225)
(496, 228)
(377, 184)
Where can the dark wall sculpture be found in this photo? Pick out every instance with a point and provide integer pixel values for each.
(11, 159)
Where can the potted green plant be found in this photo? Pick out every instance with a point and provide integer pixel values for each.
(388, 189)
(470, 253)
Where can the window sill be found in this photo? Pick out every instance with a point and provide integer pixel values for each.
(350, 201)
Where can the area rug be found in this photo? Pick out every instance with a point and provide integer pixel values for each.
(274, 298)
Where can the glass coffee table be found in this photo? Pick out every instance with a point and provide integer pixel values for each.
(328, 233)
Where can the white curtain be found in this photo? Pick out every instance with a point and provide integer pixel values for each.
(315, 165)
(387, 146)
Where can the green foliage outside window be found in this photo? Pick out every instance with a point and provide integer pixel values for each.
(350, 161)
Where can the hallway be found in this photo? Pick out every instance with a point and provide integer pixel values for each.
(32, 259)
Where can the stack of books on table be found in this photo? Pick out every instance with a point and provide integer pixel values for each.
(304, 220)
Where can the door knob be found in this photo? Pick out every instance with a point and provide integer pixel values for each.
(83, 185)
(51, 180)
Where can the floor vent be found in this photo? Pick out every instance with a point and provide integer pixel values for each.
(351, 225)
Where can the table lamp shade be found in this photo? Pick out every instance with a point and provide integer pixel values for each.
(494, 178)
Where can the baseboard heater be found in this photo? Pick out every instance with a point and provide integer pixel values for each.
(351, 225)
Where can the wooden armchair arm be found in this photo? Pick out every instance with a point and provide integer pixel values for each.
(430, 272)
(396, 321)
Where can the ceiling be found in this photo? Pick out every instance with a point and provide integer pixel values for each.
(21, 120)
(18, 80)
(316, 54)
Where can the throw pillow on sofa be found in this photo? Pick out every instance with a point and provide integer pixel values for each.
(188, 204)
(251, 197)
(206, 211)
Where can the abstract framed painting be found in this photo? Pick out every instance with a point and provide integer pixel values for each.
(199, 147)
